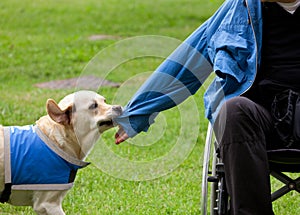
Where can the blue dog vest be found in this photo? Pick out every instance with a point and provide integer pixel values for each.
(33, 162)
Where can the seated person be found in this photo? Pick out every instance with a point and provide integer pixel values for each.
(253, 48)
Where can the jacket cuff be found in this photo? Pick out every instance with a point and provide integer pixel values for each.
(134, 124)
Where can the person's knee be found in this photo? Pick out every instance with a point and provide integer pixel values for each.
(235, 109)
(234, 119)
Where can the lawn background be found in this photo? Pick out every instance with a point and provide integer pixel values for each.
(49, 40)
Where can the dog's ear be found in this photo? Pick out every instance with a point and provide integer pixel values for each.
(57, 114)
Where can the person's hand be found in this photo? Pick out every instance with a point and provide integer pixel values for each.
(120, 136)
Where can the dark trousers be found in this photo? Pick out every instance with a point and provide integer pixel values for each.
(244, 130)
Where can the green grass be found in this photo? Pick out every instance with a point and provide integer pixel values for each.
(48, 40)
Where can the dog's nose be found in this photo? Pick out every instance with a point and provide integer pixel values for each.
(117, 109)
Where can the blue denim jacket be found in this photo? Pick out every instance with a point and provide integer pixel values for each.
(228, 43)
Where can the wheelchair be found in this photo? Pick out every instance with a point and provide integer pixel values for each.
(215, 199)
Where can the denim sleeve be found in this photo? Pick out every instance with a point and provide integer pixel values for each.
(177, 78)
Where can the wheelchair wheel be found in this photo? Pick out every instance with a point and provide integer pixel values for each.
(213, 182)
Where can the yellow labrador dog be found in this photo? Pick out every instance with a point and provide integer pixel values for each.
(38, 163)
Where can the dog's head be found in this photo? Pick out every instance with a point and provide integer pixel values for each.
(86, 113)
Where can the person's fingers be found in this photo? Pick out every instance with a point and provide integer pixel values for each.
(120, 136)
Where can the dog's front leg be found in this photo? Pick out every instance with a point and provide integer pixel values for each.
(48, 202)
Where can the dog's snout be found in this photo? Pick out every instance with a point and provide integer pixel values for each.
(117, 109)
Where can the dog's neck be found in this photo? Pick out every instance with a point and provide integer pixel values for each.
(64, 137)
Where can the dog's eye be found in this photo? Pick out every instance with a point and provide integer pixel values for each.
(93, 106)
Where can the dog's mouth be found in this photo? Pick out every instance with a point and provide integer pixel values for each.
(107, 123)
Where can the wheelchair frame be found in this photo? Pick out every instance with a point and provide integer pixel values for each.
(213, 176)
(213, 173)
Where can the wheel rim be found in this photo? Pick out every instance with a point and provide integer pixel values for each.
(205, 171)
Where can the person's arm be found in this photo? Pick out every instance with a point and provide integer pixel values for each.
(224, 41)
(177, 78)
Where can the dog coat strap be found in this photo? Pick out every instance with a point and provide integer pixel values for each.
(7, 168)
(72, 176)
(4, 197)
(58, 151)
